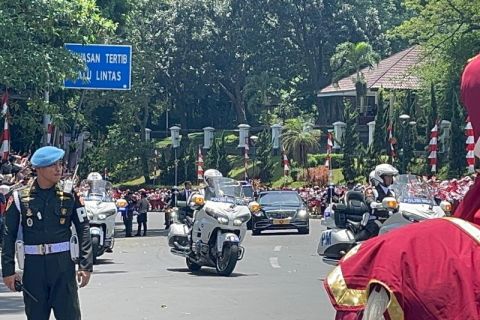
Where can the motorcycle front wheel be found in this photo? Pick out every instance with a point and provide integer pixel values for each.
(95, 248)
(227, 261)
(192, 266)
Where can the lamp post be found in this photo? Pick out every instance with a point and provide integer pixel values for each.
(175, 135)
(254, 140)
(404, 118)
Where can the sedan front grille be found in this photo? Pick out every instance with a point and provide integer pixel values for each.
(280, 214)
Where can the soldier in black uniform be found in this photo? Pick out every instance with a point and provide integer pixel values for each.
(382, 179)
(44, 219)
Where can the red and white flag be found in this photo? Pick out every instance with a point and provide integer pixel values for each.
(6, 130)
(470, 146)
(286, 163)
(432, 148)
(199, 164)
(391, 141)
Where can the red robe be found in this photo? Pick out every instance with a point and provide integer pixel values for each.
(430, 268)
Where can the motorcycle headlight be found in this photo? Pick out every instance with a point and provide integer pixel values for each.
(241, 219)
(89, 215)
(102, 216)
(302, 213)
(221, 218)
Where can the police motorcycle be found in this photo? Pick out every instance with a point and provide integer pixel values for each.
(214, 235)
(101, 212)
(414, 202)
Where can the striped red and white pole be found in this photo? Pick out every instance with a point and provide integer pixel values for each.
(391, 141)
(245, 157)
(5, 140)
(470, 145)
(432, 147)
(199, 164)
(286, 163)
(6, 130)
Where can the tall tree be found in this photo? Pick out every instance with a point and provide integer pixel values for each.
(352, 58)
(266, 162)
(380, 134)
(299, 140)
(456, 152)
(351, 144)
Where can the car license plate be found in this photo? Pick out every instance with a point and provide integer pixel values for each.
(280, 221)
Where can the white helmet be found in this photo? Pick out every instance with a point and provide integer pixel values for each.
(382, 170)
(210, 174)
(94, 176)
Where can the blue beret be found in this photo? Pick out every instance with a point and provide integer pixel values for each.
(46, 156)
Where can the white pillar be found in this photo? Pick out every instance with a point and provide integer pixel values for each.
(147, 134)
(175, 135)
(371, 132)
(338, 132)
(243, 133)
(208, 137)
(276, 133)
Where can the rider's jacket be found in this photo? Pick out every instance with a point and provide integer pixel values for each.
(379, 193)
(408, 263)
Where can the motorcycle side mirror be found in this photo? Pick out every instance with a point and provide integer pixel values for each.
(365, 218)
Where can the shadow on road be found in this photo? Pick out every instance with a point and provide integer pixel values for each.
(276, 233)
(208, 272)
(120, 234)
(109, 272)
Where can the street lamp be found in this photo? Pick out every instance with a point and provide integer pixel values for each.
(175, 135)
(404, 121)
(254, 140)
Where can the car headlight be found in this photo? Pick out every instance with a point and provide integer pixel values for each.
(302, 213)
(238, 221)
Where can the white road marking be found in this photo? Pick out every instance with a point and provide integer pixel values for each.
(277, 248)
(274, 262)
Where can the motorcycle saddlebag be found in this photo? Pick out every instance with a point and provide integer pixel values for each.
(340, 216)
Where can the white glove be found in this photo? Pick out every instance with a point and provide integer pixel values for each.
(375, 205)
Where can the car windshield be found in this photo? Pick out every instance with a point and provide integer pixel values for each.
(99, 190)
(279, 198)
(413, 189)
(224, 190)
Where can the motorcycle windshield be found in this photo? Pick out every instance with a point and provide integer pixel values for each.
(225, 190)
(413, 189)
(96, 190)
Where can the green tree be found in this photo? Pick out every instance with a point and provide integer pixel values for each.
(456, 153)
(211, 157)
(299, 140)
(223, 164)
(380, 133)
(351, 144)
(266, 161)
(352, 58)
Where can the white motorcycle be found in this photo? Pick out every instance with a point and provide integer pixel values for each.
(101, 212)
(415, 203)
(214, 235)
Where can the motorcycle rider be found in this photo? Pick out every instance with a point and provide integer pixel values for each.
(381, 179)
(210, 191)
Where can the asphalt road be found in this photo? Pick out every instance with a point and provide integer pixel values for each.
(280, 277)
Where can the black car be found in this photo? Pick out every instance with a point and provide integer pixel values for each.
(280, 210)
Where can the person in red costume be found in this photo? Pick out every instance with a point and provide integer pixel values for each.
(426, 270)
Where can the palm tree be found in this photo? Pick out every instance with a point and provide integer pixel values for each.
(299, 139)
(352, 58)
